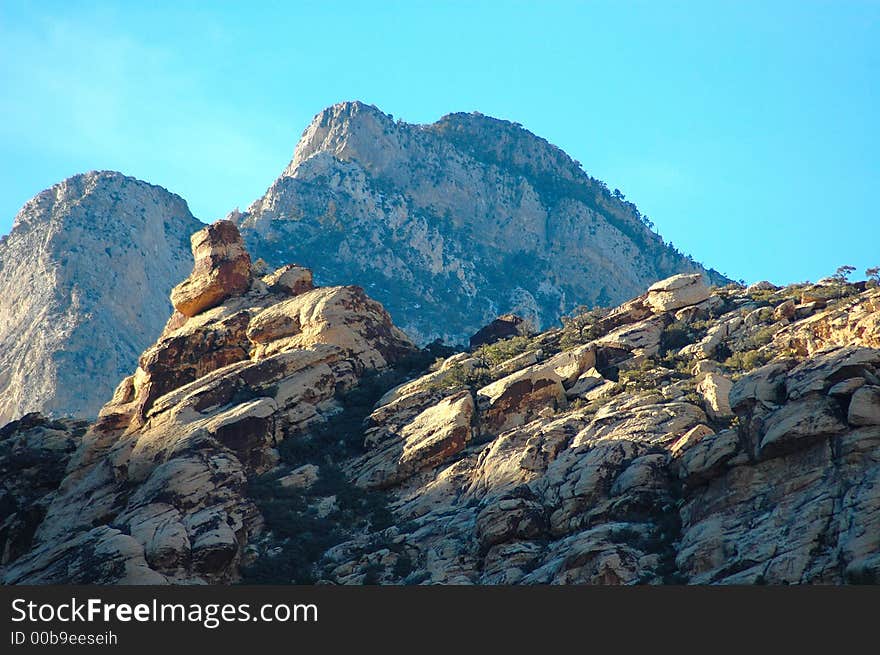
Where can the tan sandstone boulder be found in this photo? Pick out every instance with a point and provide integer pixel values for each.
(519, 397)
(222, 269)
(715, 389)
(677, 291)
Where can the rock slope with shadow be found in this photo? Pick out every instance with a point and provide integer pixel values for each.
(469, 217)
(280, 432)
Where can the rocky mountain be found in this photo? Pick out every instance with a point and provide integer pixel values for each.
(84, 281)
(448, 225)
(283, 432)
(452, 224)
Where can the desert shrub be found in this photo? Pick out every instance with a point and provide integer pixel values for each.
(458, 376)
(675, 336)
(761, 295)
(304, 536)
(746, 361)
(764, 336)
(722, 352)
(581, 327)
(503, 350)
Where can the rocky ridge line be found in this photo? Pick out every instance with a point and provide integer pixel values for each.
(469, 217)
(693, 434)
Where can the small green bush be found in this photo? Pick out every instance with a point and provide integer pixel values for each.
(503, 350)
(674, 337)
(746, 361)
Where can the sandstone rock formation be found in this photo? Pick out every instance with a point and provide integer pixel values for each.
(222, 269)
(156, 491)
(503, 327)
(34, 452)
(453, 223)
(677, 291)
(255, 443)
(84, 282)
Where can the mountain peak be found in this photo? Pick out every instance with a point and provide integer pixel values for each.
(84, 279)
(464, 219)
(334, 128)
(90, 184)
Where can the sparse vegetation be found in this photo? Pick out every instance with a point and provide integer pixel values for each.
(581, 327)
(459, 376)
(300, 530)
(674, 337)
(746, 360)
(841, 275)
(500, 351)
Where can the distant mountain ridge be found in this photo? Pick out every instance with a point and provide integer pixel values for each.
(448, 225)
(84, 281)
(454, 223)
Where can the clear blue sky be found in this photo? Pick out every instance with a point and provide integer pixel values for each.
(748, 131)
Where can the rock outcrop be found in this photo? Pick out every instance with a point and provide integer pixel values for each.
(34, 452)
(157, 490)
(270, 438)
(452, 224)
(731, 472)
(84, 282)
(222, 270)
(503, 327)
(678, 291)
(430, 220)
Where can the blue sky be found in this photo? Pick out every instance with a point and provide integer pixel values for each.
(748, 131)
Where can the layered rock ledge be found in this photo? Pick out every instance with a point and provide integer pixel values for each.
(694, 434)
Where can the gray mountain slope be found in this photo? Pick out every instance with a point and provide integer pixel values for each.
(84, 281)
(453, 223)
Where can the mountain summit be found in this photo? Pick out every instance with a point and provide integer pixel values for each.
(84, 281)
(448, 225)
(454, 223)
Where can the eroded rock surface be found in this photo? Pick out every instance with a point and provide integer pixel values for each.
(469, 217)
(84, 282)
(683, 442)
(157, 489)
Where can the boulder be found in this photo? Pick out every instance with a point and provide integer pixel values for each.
(222, 269)
(290, 279)
(847, 387)
(715, 389)
(343, 316)
(570, 364)
(796, 424)
(643, 336)
(587, 381)
(301, 477)
(518, 397)
(503, 327)
(690, 437)
(764, 385)
(678, 291)
(820, 373)
(864, 408)
(763, 285)
(785, 311)
(425, 440)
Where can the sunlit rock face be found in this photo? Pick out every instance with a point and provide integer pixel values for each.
(292, 434)
(157, 489)
(84, 281)
(452, 224)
